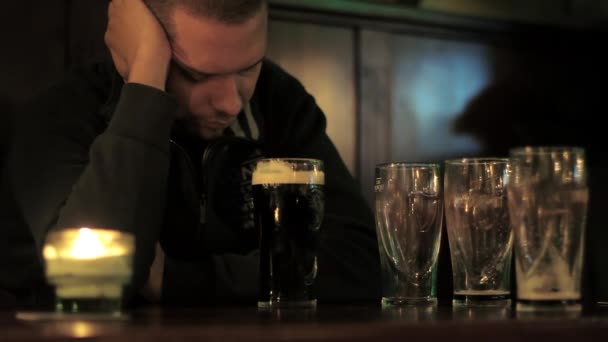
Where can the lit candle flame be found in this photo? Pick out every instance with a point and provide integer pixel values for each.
(87, 245)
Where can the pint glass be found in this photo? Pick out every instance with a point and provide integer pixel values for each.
(409, 214)
(479, 230)
(548, 198)
(288, 205)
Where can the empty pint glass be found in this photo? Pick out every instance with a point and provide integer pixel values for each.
(289, 203)
(479, 231)
(548, 198)
(409, 214)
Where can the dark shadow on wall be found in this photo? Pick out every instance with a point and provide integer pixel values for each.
(513, 113)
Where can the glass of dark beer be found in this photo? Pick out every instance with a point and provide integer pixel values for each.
(289, 203)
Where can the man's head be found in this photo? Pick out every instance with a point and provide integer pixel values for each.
(227, 11)
(217, 48)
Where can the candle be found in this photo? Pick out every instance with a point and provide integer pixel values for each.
(88, 264)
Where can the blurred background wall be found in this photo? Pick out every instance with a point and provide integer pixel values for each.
(399, 80)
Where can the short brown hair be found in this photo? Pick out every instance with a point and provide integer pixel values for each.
(228, 11)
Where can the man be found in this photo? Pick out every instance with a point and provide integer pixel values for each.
(149, 145)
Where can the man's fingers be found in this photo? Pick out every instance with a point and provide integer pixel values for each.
(120, 64)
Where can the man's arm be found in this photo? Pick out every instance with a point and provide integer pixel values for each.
(64, 173)
(69, 170)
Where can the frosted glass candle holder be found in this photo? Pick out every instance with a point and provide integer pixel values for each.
(89, 268)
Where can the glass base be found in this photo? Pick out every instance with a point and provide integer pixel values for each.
(468, 312)
(78, 309)
(417, 310)
(79, 317)
(301, 304)
(109, 306)
(568, 305)
(403, 301)
(480, 300)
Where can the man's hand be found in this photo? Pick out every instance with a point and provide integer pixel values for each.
(152, 291)
(138, 44)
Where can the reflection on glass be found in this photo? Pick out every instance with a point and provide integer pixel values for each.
(481, 313)
(544, 315)
(411, 312)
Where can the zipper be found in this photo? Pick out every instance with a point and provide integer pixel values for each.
(202, 202)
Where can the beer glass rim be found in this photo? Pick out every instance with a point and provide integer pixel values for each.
(407, 165)
(296, 160)
(477, 161)
(543, 150)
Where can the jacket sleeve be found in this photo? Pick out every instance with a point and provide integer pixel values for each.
(69, 170)
(222, 279)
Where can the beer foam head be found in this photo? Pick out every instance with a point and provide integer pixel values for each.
(275, 171)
